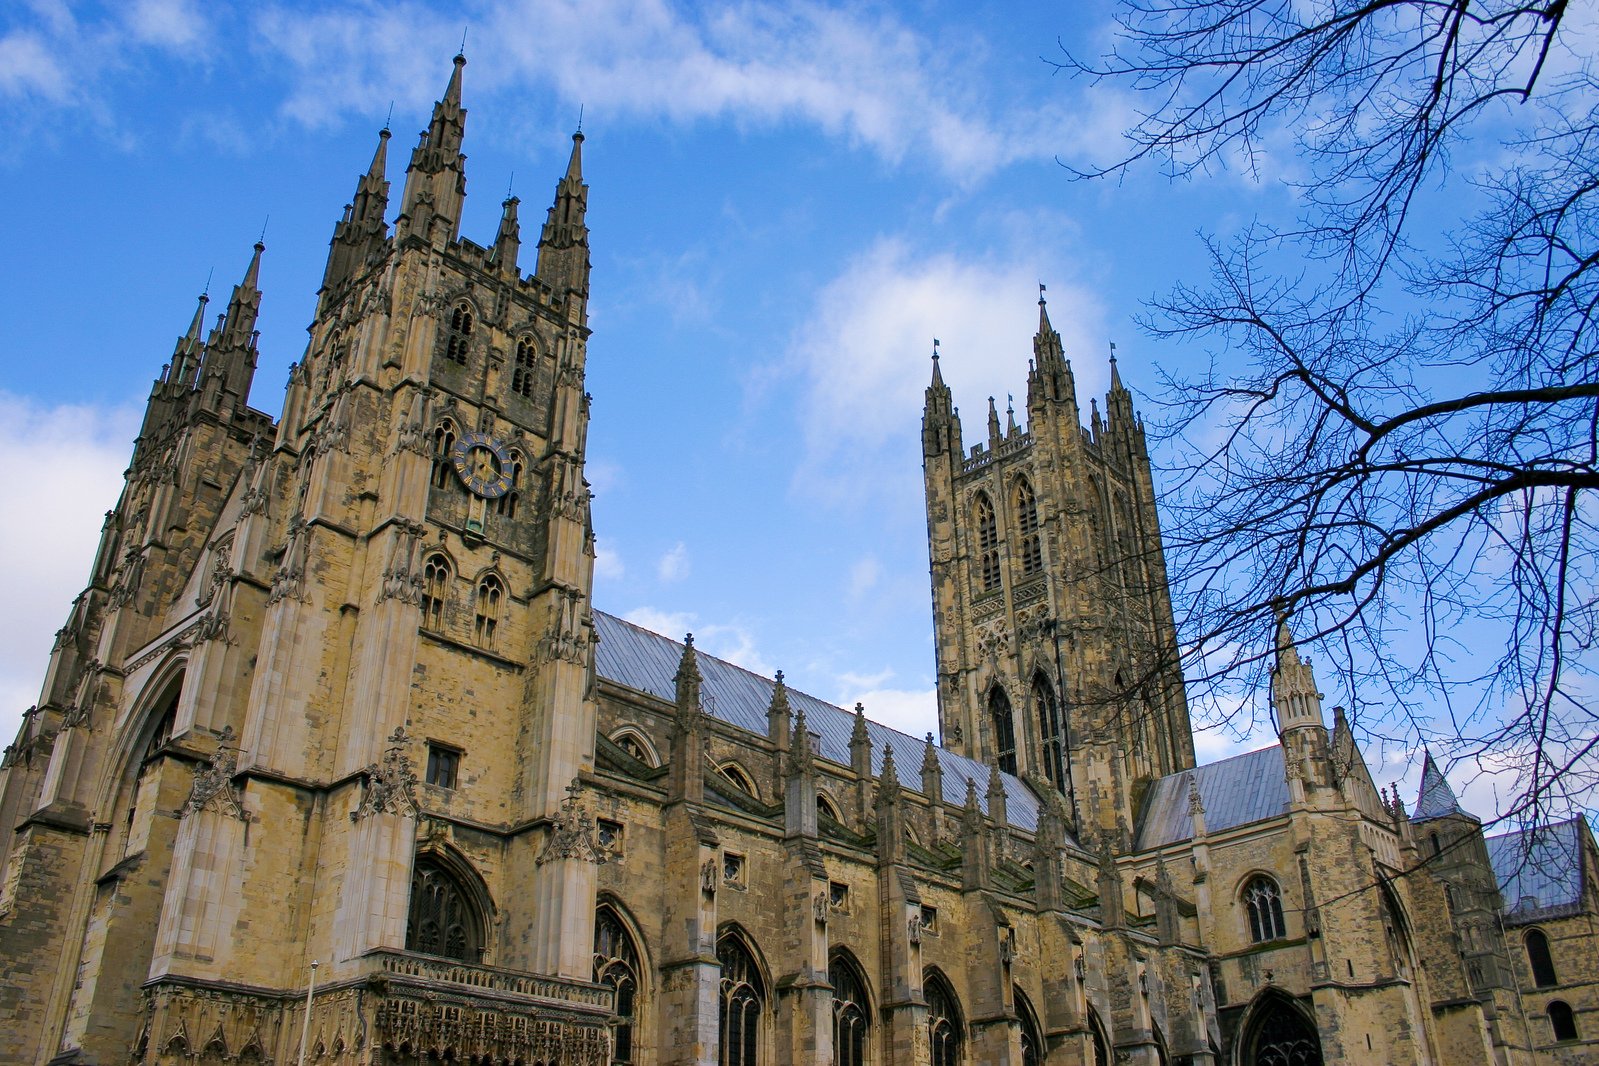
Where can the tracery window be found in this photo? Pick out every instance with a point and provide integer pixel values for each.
(1265, 902)
(489, 594)
(742, 999)
(824, 806)
(943, 1021)
(443, 445)
(1279, 1035)
(1031, 544)
(435, 588)
(852, 1025)
(1004, 722)
(442, 920)
(739, 779)
(1050, 731)
(459, 336)
(1096, 1029)
(1032, 1033)
(1539, 959)
(1562, 1022)
(630, 743)
(506, 504)
(522, 371)
(616, 964)
(987, 543)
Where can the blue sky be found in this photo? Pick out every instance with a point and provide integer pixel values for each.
(787, 202)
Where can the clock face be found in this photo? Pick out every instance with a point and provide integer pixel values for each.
(482, 464)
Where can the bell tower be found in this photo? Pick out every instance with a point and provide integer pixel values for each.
(1057, 653)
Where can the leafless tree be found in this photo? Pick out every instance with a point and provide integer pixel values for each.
(1399, 445)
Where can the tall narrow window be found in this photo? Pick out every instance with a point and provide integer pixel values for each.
(1265, 903)
(1032, 1034)
(489, 594)
(459, 337)
(435, 588)
(522, 372)
(441, 920)
(1050, 733)
(851, 1013)
(616, 964)
(1539, 959)
(506, 504)
(742, 999)
(943, 1021)
(987, 543)
(1030, 545)
(1004, 723)
(1562, 1022)
(443, 445)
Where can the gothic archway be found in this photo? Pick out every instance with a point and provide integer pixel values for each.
(442, 919)
(1280, 1033)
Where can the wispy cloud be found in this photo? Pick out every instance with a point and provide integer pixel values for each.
(608, 564)
(674, 563)
(730, 641)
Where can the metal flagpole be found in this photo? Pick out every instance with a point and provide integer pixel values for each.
(305, 1030)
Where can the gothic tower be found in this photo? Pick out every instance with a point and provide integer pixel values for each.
(1057, 655)
(267, 724)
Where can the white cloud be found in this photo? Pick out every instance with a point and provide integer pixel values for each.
(170, 24)
(53, 530)
(28, 66)
(608, 563)
(674, 563)
(913, 711)
(667, 623)
(864, 576)
(730, 641)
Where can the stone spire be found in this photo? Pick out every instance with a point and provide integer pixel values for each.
(363, 229)
(1293, 684)
(435, 181)
(508, 241)
(993, 425)
(563, 261)
(230, 351)
(1050, 378)
(940, 423)
(688, 679)
(1436, 798)
(188, 352)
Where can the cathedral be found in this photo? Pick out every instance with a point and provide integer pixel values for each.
(337, 762)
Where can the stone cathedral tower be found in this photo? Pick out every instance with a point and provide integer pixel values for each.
(247, 655)
(1057, 656)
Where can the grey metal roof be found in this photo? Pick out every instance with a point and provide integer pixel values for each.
(1245, 788)
(1436, 798)
(635, 657)
(1539, 870)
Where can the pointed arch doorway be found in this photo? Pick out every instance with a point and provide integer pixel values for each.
(1280, 1033)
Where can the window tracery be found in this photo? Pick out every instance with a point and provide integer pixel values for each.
(852, 1024)
(506, 504)
(987, 543)
(442, 920)
(458, 338)
(742, 998)
(435, 589)
(943, 1021)
(616, 963)
(1004, 723)
(1030, 544)
(1264, 900)
(489, 594)
(1050, 732)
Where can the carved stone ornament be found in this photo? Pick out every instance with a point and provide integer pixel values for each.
(413, 435)
(708, 877)
(821, 905)
(573, 835)
(389, 787)
(213, 784)
(288, 582)
(914, 926)
(400, 580)
(1007, 946)
(565, 640)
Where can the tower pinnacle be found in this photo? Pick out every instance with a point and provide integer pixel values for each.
(564, 245)
(435, 181)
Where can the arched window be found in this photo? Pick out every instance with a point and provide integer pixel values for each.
(489, 594)
(442, 921)
(506, 504)
(852, 1019)
(743, 999)
(146, 779)
(1030, 545)
(634, 745)
(1032, 1032)
(1395, 928)
(458, 338)
(739, 779)
(944, 1028)
(1265, 903)
(1004, 723)
(1050, 731)
(435, 589)
(824, 806)
(1096, 1029)
(1279, 1034)
(987, 543)
(443, 445)
(522, 372)
(1561, 1021)
(1539, 959)
(616, 964)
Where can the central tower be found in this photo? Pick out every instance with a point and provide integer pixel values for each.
(1057, 655)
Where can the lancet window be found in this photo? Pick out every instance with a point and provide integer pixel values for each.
(616, 963)
(1050, 732)
(943, 1021)
(458, 339)
(742, 1000)
(522, 371)
(442, 920)
(435, 589)
(1032, 1033)
(1539, 960)
(1004, 723)
(507, 503)
(1265, 904)
(852, 1021)
(489, 594)
(987, 543)
(1030, 546)
(443, 445)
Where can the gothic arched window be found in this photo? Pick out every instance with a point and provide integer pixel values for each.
(1539, 959)
(1032, 1033)
(506, 504)
(442, 921)
(616, 964)
(1096, 1029)
(1050, 732)
(458, 339)
(1031, 544)
(443, 445)
(1562, 1023)
(1398, 933)
(522, 372)
(1004, 723)
(1279, 1034)
(1265, 903)
(824, 806)
(852, 1019)
(742, 1001)
(943, 1021)
(489, 594)
(435, 589)
(987, 543)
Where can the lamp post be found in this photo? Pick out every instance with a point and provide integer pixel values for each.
(305, 1030)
